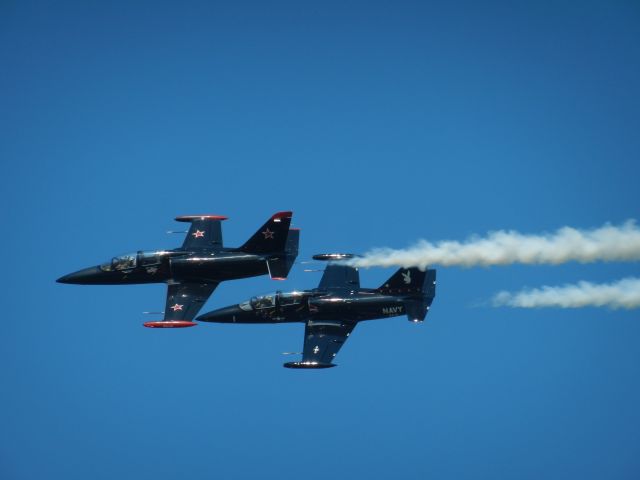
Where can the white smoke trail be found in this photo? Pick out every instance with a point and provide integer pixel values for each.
(607, 243)
(622, 294)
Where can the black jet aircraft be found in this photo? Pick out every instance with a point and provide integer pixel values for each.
(193, 271)
(333, 309)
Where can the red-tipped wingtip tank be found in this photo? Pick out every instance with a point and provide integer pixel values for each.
(170, 324)
(189, 218)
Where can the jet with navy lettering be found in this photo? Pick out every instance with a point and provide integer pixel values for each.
(193, 271)
(331, 311)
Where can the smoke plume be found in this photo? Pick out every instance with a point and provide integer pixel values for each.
(622, 294)
(505, 247)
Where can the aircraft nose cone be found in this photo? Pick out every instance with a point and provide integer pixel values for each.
(84, 276)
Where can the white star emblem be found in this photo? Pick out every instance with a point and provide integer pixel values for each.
(268, 234)
(176, 307)
(152, 270)
(198, 234)
(316, 349)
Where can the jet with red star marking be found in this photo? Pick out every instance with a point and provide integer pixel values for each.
(193, 271)
(331, 311)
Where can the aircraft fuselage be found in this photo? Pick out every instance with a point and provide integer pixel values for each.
(173, 265)
(310, 304)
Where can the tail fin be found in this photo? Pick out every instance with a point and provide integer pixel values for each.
(419, 288)
(271, 237)
(406, 281)
(279, 267)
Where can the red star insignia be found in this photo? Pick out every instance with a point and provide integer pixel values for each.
(176, 307)
(268, 234)
(198, 234)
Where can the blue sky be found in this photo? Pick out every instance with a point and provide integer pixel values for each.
(377, 123)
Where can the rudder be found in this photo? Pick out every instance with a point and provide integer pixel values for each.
(279, 267)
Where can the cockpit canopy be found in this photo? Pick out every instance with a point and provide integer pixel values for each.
(267, 301)
(122, 262)
(131, 260)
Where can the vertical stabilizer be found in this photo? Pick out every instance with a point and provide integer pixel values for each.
(270, 237)
(418, 288)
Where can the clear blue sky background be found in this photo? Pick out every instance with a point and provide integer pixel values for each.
(377, 123)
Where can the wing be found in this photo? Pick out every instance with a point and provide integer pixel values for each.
(322, 342)
(340, 277)
(204, 233)
(184, 301)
